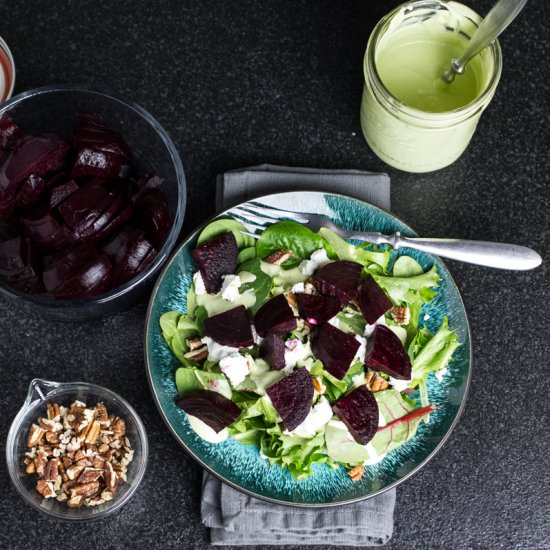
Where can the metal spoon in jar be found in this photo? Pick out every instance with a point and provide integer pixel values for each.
(502, 14)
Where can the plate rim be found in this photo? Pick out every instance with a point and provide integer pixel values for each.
(194, 233)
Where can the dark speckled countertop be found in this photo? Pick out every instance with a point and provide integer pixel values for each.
(243, 82)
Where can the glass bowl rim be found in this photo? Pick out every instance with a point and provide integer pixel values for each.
(16, 426)
(177, 223)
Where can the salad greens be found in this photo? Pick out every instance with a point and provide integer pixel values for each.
(403, 404)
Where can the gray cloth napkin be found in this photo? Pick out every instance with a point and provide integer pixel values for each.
(237, 519)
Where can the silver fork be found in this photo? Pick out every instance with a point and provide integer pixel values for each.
(256, 217)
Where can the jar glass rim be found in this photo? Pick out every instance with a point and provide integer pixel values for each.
(455, 115)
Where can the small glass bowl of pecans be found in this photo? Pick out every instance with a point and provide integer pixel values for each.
(76, 451)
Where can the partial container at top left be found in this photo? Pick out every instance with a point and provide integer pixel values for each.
(7, 71)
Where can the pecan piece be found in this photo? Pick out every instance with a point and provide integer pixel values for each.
(51, 470)
(45, 488)
(74, 471)
(110, 477)
(92, 433)
(291, 299)
(376, 383)
(199, 354)
(356, 473)
(40, 463)
(194, 343)
(50, 425)
(88, 475)
(100, 413)
(401, 315)
(86, 489)
(119, 427)
(75, 501)
(36, 433)
(278, 257)
(52, 438)
(53, 411)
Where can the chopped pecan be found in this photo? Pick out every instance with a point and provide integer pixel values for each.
(100, 412)
(79, 455)
(97, 462)
(401, 315)
(110, 477)
(356, 473)
(50, 425)
(52, 437)
(31, 468)
(198, 354)
(51, 470)
(119, 427)
(66, 461)
(36, 433)
(89, 474)
(53, 410)
(103, 448)
(92, 433)
(45, 488)
(375, 382)
(68, 485)
(291, 299)
(86, 489)
(74, 471)
(40, 463)
(194, 343)
(278, 257)
(75, 501)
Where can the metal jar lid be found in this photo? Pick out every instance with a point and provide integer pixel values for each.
(7, 71)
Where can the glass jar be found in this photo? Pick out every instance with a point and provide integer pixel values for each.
(7, 71)
(419, 126)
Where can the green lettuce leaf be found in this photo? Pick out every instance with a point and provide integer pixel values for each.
(261, 285)
(352, 321)
(296, 453)
(225, 225)
(418, 288)
(191, 379)
(348, 251)
(292, 236)
(435, 353)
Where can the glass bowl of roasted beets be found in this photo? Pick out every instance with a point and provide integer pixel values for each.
(92, 199)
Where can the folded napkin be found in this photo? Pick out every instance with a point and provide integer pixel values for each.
(237, 519)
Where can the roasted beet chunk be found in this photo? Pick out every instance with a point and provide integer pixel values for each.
(372, 300)
(128, 251)
(386, 353)
(292, 396)
(216, 258)
(338, 279)
(61, 192)
(272, 351)
(213, 409)
(101, 152)
(45, 227)
(30, 190)
(317, 309)
(359, 412)
(275, 317)
(17, 265)
(9, 133)
(230, 328)
(39, 155)
(335, 349)
(151, 215)
(81, 273)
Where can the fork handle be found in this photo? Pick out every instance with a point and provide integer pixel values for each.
(499, 255)
(490, 254)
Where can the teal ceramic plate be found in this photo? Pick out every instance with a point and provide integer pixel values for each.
(241, 466)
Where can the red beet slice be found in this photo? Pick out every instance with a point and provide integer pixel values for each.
(65, 265)
(335, 349)
(151, 213)
(373, 301)
(292, 396)
(44, 227)
(9, 133)
(359, 412)
(39, 155)
(127, 251)
(317, 309)
(61, 192)
(272, 351)
(213, 409)
(275, 317)
(230, 328)
(215, 258)
(84, 206)
(90, 280)
(386, 353)
(17, 264)
(338, 279)
(101, 152)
